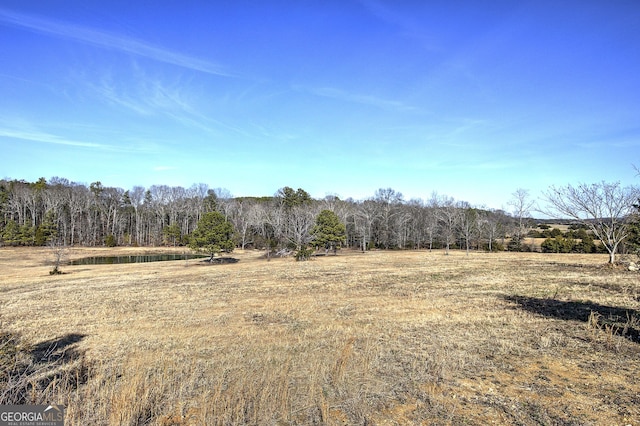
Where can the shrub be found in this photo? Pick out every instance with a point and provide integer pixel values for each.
(558, 244)
(303, 254)
(515, 244)
(555, 232)
(497, 246)
(110, 241)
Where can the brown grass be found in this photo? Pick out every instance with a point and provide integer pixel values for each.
(376, 338)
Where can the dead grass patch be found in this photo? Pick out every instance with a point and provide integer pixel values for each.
(375, 338)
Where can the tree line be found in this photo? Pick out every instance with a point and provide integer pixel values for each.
(68, 213)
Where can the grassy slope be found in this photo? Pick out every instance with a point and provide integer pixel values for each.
(382, 337)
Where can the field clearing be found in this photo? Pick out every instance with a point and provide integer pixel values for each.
(406, 337)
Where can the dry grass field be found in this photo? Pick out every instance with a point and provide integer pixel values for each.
(382, 338)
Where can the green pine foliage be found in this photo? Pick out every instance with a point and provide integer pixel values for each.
(633, 239)
(292, 198)
(46, 230)
(559, 244)
(303, 254)
(110, 241)
(213, 235)
(11, 234)
(568, 244)
(26, 235)
(586, 244)
(328, 231)
(172, 234)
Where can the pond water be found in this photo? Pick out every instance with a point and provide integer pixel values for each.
(110, 260)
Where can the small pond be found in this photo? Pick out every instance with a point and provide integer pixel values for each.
(110, 260)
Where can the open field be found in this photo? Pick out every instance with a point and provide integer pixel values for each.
(384, 338)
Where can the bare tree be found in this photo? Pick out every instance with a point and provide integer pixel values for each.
(388, 201)
(300, 222)
(401, 226)
(112, 201)
(136, 197)
(605, 208)
(242, 218)
(468, 223)
(275, 222)
(294, 212)
(19, 195)
(366, 213)
(449, 217)
(59, 252)
(522, 205)
(489, 226)
(267, 223)
(432, 218)
(416, 228)
(224, 201)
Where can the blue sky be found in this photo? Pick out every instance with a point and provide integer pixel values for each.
(472, 99)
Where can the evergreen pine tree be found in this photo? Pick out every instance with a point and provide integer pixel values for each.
(213, 235)
(328, 232)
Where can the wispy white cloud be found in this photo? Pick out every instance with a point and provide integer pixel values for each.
(108, 40)
(273, 133)
(43, 137)
(463, 164)
(26, 80)
(144, 94)
(62, 135)
(110, 93)
(605, 143)
(370, 100)
(408, 24)
(149, 95)
(459, 133)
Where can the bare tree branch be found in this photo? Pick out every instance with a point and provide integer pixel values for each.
(603, 207)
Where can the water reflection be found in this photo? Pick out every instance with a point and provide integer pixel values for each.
(110, 260)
